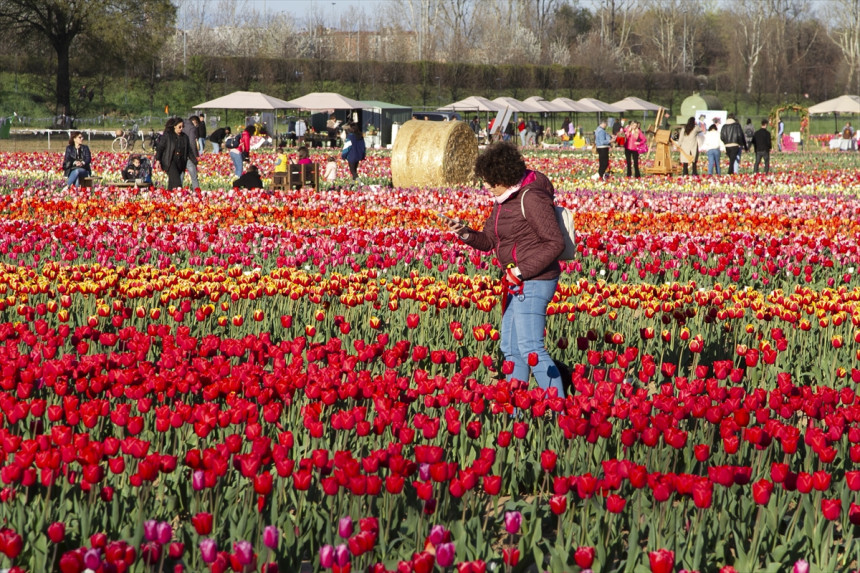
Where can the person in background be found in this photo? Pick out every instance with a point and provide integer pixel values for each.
(749, 131)
(702, 123)
(475, 125)
(138, 168)
(303, 157)
(521, 130)
(249, 180)
(602, 142)
(201, 132)
(330, 168)
(218, 136)
(189, 128)
(712, 146)
(77, 160)
(301, 130)
(762, 144)
(354, 149)
(688, 142)
(780, 131)
(241, 154)
(523, 232)
(733, 137)
(282, 160)
(634, 144)
(173, 152)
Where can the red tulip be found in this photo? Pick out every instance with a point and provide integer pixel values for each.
(761, 491)
(831, 508)
(584, 557)
(662, 561)
(57, 532)
(558, 504)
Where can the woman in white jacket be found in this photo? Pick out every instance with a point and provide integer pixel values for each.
(713, 146)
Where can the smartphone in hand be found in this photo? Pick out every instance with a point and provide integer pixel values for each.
(446, 218)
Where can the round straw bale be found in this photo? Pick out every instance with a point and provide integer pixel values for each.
(433, 154)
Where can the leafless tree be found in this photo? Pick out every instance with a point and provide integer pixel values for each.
(846, 34)
(751, 36)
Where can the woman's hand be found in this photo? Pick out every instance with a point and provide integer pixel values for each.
(457, 227)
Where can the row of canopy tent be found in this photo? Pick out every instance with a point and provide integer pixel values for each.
(537, 104)
(260, 101)
(328, 100)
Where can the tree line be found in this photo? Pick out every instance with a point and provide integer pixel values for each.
(424, 52)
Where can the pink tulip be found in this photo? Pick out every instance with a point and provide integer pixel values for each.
(271, 536)
(445, 554)
(208, 550)
(801, 566)
(341, 555)
(513, 522)
(326, 556)
(163, 533)
(437, 534)
(93, 559)
(244, 552)
(149, 529)
(344, 527)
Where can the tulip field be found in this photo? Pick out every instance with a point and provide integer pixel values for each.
(231, 380)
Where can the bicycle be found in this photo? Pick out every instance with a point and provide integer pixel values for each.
(126, 139)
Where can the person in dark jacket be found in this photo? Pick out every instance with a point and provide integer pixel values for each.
(354, 149)
(523, 231)
(200, 123)
(218, 136)
(76, 161)
(189, 128)
(173, 152)
(732, 135)
(762, 144)
(250, 179)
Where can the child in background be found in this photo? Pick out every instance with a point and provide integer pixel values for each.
(282, 160)
(330, 169)
(303, 156)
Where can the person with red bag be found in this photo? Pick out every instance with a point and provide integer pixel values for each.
(635, 143)
(523, 231)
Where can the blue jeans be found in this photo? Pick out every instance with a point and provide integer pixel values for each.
(216, 147)
(191, 169)
(236, 156)
(76, 175)
(523, 333)
(713, 161)
(201, 145)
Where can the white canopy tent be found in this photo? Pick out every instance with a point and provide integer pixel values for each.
(633, 103)
(597, 106)
(473, 103)
(323, 101)
(547, 106)
(570, 105)
(841, 104)
(246, 101)
(517, 105)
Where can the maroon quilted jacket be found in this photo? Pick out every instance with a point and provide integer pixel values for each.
(532, 243)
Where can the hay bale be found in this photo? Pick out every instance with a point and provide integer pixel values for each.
(433, 154)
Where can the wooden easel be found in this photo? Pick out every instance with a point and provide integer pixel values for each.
(662, 149)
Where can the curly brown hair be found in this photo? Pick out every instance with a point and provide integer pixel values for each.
(500, 164)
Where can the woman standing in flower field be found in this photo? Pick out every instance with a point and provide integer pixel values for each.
(689, 144)
(523, 231)
(173, 152)
(76, 163)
